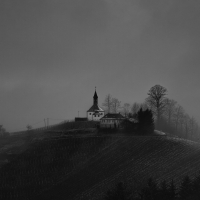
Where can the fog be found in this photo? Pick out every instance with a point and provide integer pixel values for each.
(54, 52)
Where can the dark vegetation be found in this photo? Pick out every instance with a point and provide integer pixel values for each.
(188, 190)
(70, 161)
(80, 166)
(145, 121)
(143, 126)
(11, 147)
(169, 116)
(63, 127)
(46, 163)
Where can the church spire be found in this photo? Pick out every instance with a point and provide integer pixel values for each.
(95, 98)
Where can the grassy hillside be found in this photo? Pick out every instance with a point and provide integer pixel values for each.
(11, 147)
(84, 167)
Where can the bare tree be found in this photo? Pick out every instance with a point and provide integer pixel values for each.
(29, 127)
(192, 126)
(157, 101)
(196, 130)
(169, 109)
(107, 104)
(115, 105)
(135, 108)
(178, 115)
(127, 108)
(181, 121)
(186, 124)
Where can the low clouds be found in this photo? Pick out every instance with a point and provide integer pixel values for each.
(51, 50)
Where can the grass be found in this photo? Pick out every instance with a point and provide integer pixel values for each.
(12, 146)
(74, 167)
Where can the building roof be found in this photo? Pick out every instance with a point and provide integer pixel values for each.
(94, 108)
(113, 115)
(95, 95)
(80, 119)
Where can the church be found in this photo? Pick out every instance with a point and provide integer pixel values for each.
(95, 113)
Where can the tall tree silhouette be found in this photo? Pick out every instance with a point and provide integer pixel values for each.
(107, 104)
(118, 193)
(170, 110)
(151, 191)
(115, 105)
(157, 101)
(185, 188)
(145, 121)
(172, 190)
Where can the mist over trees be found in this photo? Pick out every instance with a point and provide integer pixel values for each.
(126, 109)
(169, 109)
(111, 105)
(169, 116)
(115, 105)
(179, 122)
(3, 131)
(156, 101)
(107, 104)
(29, 127)
(135, 108)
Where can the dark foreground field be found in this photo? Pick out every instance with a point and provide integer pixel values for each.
(86, 166)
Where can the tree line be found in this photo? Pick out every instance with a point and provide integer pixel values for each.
(113, 105)
(188, 190)
(168, 115)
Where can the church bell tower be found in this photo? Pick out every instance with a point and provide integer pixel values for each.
(95, 113)
(95, 98)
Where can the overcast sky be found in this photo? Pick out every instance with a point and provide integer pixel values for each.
(54, 52)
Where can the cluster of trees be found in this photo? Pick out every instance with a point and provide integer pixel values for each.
(168, 115)
(140, 112)
(175, 119)
(144, 125)
(113, 105)
(188, 190)
(29, 127)
(145, 121)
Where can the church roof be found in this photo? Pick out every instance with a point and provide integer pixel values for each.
(113, 115)
(94, 108)
(95, 95)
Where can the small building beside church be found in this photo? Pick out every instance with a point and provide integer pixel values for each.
(111, 120)
(95, 113)
(80, 119)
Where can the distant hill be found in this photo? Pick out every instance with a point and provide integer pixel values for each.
(86, 166)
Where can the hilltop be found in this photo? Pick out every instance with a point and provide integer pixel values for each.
(85, 166)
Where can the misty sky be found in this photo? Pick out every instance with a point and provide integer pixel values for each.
(54, 52)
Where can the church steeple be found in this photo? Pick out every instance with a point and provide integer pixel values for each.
(95, 98)
(95, 113)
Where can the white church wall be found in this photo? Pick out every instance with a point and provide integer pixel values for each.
(89, 115)
(94, 117)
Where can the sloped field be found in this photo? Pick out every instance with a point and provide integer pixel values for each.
(85, 167)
